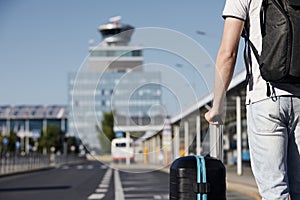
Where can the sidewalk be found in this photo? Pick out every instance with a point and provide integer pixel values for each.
(244, 184)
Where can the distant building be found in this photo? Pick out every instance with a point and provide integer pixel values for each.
(31, 120)
(112, 79)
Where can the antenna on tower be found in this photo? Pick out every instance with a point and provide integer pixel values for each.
(115, 19)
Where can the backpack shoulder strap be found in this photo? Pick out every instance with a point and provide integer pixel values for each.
(249, 46)
(247, 56)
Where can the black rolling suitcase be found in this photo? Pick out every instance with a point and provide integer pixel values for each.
(198, 177)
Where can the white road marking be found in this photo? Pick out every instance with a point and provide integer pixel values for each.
(119, 193)
(90, 167)
(163, 196)
(157, 197)
(96, 196)
(139, 196)
(103, 185)
(102, 189)
(79, 167)
(65, 167)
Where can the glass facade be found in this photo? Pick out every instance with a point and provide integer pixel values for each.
(130, 95)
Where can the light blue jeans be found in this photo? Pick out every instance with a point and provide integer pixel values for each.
(274, 141)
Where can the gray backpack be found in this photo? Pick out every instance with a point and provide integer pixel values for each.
(279, 60)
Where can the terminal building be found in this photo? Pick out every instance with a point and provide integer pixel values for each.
(112, 79)
(188, 133)
(29, 121)
(32, 119)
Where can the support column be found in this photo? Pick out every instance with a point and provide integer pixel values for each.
(167, 142)
(63, 125)
(198, 135)
(8, 125)
(44, 125)
(176, 141)
(152, 150)
(45, 132)
(27, 133)
(146, 152)
(186, 138)
(63, 129)
(239, 135)
(128, 151)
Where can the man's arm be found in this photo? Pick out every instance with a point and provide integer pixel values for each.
(225, 64)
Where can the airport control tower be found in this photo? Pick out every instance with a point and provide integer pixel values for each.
(112, 79)
(116, 37)
(111, 32)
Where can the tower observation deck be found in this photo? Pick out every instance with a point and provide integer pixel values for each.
(115, 33)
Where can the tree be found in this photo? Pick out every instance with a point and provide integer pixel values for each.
(12, 138)
(50, 138)
(72, 141)
(106, 133)
(108, 125)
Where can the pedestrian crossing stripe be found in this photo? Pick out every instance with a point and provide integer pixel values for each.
(103, 185)
(165, 196)
(101, 190)
(96, 196)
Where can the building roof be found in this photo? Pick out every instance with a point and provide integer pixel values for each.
(33, 112)
(238, 78)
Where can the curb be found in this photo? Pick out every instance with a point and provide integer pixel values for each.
(26, 171)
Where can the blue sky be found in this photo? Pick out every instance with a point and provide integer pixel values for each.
(41, 41)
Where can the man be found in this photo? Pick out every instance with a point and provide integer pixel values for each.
(273, 121)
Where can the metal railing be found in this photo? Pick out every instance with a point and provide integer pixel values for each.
(13, 163)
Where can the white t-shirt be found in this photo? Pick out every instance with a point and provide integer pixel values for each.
(242, 9)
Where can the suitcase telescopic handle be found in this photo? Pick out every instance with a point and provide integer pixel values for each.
(216, 141)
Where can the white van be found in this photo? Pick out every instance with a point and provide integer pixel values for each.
(121, 148)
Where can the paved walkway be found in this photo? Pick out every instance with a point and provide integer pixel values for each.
(244, 183)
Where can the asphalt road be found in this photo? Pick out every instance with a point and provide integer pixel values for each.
(90, 181)
(145, 186)
(75, 182)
